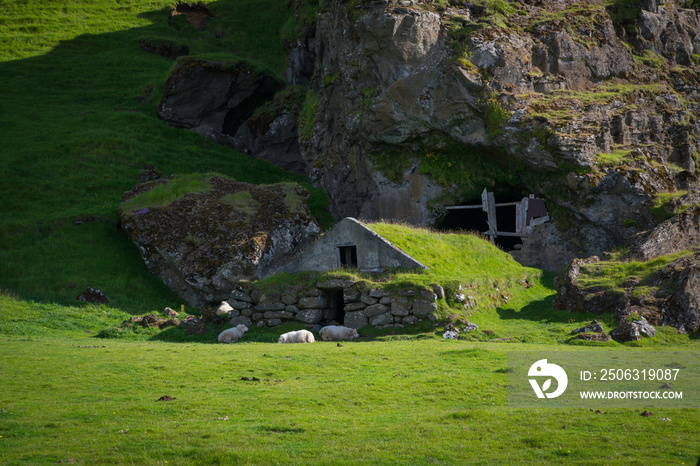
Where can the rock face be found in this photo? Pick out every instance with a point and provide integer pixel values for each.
(575, 298)
(676, 234)
(670, 296)
(592, 106)
(405, 88)
(202, 243)
(219, 101)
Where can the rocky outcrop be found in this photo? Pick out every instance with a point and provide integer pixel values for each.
(668, 296)
(414, 105)
(677, 234)
(575, 298)
(554, 89)
(222, 102)
(219, 231)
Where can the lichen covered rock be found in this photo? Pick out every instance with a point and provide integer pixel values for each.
(680, 233)
(669, 295)
(203, 241)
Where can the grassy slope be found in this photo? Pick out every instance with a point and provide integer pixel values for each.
(68, 153)
(77, 127)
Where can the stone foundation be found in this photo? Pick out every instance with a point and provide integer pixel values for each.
(334, 302)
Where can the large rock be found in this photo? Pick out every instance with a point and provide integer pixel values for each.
(575, 298)
(403, 93)
(669, 32)
(679, 233)
(205, 241)
(633, 331)
(214, 98)
(219, 101)
(670, 296)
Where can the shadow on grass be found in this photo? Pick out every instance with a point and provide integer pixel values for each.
(543, 311)
(78, 124)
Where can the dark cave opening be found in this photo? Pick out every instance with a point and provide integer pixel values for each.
(475, 219)
(267, 87)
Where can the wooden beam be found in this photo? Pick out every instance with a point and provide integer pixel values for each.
(511, 233)
(459, 207)
(489, 206)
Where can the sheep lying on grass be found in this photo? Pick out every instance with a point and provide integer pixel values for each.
(232, 334)
(224, 309)
(336, 332)
(300, 336)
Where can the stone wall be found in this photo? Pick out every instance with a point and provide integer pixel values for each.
(334, 302)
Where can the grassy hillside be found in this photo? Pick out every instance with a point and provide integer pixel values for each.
(78, 124)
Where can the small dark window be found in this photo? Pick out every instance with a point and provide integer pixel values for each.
(348, 256)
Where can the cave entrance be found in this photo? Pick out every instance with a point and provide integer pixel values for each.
(266, 88)
(506, 222)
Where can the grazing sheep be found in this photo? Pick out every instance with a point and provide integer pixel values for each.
(336, 332)
(224, 309)
(300, 336)
(232, 334)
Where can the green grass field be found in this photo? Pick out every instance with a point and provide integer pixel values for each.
(77, 124)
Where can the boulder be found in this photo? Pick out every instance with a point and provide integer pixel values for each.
(334, 284)
(351, 307)
(241, 296)
(470, 327)
(633, 331)
(679, 233)
(603, 337)
(214, 98)
(574, 298)
(203, 242)
(671, 296)
(284, 315)
(594, 326)
(270, 306)
(626, 332)
(312, 302)
(375, 309)
(92, 295)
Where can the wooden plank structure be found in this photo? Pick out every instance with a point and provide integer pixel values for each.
(523, 225)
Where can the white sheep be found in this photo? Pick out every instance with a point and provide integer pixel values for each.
(336, 332)
(233, 334)
(300, 336)
(224, 309)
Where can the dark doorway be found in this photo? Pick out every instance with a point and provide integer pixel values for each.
(336, 307)
(465, 220)
(505, 216)
(348, 256)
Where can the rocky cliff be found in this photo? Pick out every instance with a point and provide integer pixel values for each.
(415, 105)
